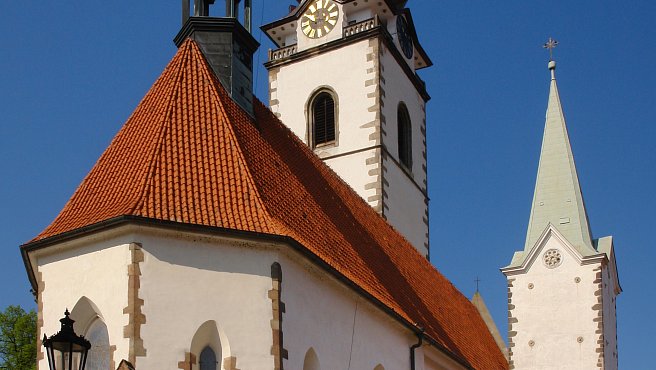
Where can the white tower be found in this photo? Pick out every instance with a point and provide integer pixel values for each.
(344, 80)
(562, 286)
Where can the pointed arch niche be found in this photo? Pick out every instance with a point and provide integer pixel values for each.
(311, 361)
(209, 346)
(89, 322)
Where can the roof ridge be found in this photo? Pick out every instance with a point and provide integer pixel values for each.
(153, 159)
(223, 112)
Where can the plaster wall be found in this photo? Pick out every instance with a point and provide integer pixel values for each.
(345, 73)
(96, 269)
(405, 189)
(552, 313)
(405, 206)
(352, 78)
(345, 330)
(360, 179)
(398, 89)
(187, 281)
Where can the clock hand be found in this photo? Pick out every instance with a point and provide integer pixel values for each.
(311, 17)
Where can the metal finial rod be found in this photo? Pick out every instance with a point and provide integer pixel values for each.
(478, 280)
(550, 44)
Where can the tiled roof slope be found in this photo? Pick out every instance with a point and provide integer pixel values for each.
(189, 154)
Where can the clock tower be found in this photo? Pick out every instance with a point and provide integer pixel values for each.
(344, 79)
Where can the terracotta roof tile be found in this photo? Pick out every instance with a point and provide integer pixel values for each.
(189, 154)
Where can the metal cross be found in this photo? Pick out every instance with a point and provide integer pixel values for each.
(550, 44)
(477, 282)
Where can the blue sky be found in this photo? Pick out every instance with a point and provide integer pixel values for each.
(72, 72)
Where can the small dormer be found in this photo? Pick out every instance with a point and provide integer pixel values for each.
(323, 23)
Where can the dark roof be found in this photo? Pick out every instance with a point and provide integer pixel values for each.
(190, 155)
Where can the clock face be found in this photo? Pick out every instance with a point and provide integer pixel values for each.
(405, 41)
(320, 18)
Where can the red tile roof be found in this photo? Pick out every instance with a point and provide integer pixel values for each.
(189, 154)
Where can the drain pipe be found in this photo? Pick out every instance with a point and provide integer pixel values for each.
(420, 336)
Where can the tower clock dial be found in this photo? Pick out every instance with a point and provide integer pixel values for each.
(405, 40)
(319, 19)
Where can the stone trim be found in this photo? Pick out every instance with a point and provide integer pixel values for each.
(278, 308)
(136, 318)
(599, 320)
(230, 363)
(41, 286)
(112, 350)
(511, 320)
(273, 91)
(188, 362)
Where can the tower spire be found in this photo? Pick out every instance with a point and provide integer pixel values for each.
(557, 199)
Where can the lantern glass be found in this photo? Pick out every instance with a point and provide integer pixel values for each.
(66, 350)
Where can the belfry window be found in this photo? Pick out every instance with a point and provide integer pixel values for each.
(323, 119)
(404, 136)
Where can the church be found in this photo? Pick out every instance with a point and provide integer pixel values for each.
(217, 232)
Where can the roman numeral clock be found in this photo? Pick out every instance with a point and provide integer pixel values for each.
(319, 19)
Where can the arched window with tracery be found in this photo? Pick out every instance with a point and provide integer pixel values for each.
(323, 118)
(89, 322)
(404, 136)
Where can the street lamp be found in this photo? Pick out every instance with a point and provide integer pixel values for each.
(66, 350)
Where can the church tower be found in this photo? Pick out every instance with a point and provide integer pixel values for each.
(344, 79)
(562, 286)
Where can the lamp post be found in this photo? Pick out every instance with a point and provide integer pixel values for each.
(66, 350)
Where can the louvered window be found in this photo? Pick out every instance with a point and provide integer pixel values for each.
(323, 119)
(405, 136)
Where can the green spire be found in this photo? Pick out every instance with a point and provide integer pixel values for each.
(558, 199)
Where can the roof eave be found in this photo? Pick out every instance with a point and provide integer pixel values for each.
(220, 231)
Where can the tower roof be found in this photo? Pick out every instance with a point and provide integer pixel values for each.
(558, 199)
(190, 155)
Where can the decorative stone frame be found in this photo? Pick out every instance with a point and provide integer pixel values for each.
(309, 117)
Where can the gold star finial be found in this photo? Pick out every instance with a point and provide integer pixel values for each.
(550, 44)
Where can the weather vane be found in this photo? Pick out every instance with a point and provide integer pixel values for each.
(550, 44)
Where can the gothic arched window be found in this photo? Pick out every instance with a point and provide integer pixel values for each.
(98, 357)
(311, 361)
(322, 117)
(208, 359)
(404, 136)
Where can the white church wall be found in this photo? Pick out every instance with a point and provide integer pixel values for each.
(187, 281)
(95, 268)
(405, 203)
(554, 313)
(406, 207)
(398, 88)
(345, 73)
(341, 327)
